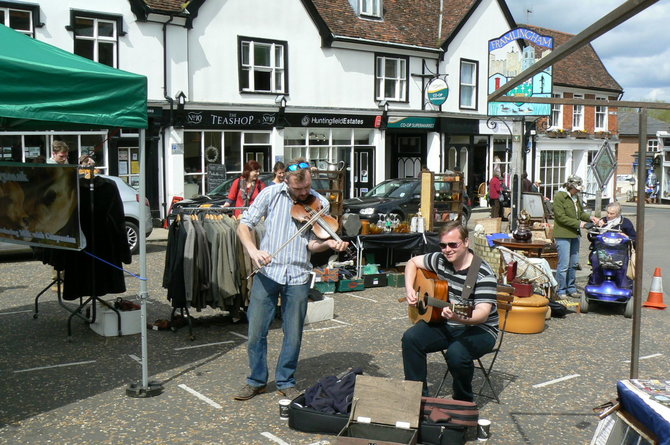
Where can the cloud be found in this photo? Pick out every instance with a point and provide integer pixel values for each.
(635, 52)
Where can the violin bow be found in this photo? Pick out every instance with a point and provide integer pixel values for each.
(304, 227)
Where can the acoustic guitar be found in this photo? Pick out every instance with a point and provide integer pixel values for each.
(433, 295)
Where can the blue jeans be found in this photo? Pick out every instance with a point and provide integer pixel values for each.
(264, 295)
(568, 257)
(463, 345)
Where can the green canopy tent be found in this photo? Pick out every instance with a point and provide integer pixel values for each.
(44, 87)
(47, 88)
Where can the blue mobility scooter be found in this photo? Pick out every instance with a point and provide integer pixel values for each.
(609, 262)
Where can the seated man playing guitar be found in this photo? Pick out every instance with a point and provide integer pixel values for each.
(465, 338)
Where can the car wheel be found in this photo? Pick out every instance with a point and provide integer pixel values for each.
(132, 232)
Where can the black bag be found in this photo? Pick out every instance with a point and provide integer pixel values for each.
(446, 421)
(558, 310)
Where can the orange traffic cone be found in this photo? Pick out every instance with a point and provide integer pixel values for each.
(655, 298)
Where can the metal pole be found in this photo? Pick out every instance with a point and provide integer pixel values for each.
(145, 388)
(639, 254)
(516, 165)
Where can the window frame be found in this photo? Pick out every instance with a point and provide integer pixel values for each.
(33, 10)
(578, 111)
(402, 84)
(603, 112)
(556, 109)
(119, 32)
(461, 84)
(241, 71)
(371, 8)
(653, 145)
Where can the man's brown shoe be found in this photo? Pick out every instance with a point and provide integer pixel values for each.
(247, 392)
(290, 393)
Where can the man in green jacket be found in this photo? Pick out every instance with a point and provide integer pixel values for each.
(569, 218)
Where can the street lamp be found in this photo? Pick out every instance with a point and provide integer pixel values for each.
(281, 120)
(383, 104)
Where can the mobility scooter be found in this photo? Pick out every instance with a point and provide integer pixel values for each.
(609, 262)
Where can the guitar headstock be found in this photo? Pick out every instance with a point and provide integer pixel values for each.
(464, 309)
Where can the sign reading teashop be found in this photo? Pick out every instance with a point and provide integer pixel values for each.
(238, 120)
(329, 120)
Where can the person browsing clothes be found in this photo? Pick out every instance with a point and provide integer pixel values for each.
(287, 273)
(245, 188)
(569, 218)
(464, 339)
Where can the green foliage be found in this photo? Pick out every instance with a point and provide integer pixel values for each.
(663, 115)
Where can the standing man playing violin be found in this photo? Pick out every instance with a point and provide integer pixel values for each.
(287, 273)
(465, 339)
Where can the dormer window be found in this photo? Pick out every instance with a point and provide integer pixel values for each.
(372, 8)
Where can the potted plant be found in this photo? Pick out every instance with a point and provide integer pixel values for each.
(603, 134)
(580, 134)
(556, 133)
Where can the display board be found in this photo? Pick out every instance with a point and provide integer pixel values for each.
(216, 175)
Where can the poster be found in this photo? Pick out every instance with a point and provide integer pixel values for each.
(39, 205)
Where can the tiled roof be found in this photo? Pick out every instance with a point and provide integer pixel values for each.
(166, 5)
(583, 68)
(405, 22)
(629, 123)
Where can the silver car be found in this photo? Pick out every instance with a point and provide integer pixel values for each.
(131, 209)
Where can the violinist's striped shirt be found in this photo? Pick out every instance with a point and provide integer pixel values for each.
(485, 290)
(291, 265)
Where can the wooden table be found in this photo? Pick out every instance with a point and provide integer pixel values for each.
(532, 249)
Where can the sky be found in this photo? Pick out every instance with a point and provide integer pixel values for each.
(636, 53)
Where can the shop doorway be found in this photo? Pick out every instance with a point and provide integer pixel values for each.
(260, 155)
(408, 154)
(364, 170)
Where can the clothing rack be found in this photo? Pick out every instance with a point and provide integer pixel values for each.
(196, 210)
(89, 316)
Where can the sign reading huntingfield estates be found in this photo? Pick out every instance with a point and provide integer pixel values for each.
(507, 58)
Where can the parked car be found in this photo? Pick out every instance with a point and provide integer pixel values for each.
(218, 196)
(400, 196)
(131, 209)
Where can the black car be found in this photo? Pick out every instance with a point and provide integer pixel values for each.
(399, 196)
(218, 196)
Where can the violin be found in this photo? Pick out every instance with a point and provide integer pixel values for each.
(324, 227)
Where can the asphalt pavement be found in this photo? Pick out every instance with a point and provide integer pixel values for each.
(73, 390)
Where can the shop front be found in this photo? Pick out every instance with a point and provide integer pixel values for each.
(412, 143)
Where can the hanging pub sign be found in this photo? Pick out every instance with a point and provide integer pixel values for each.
(39, 205)
(437, 91)
(509, 55)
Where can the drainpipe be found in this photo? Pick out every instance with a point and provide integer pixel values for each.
(439, 21)
(163, 126)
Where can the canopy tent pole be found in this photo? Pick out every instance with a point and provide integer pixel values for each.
(146, 388)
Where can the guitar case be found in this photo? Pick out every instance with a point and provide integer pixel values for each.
(446, 421)
(308, 420)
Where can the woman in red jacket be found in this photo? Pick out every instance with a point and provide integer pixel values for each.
(245, 188)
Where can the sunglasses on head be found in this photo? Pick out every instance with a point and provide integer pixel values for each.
(451, 245)
(298, 166)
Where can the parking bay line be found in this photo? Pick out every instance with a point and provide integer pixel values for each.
(204, 345)
(240, 335)
(362, 298)
(15, 312)
(200, 396)
(62, 365)
(551, 382)
(274, 438)
(658, 354)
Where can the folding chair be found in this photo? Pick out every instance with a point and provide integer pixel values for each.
(505, 303)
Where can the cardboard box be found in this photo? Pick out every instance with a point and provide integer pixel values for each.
(320, 310)
(384, 412)
(375, 280)
(350, 285)
(106, 322)
(396, 279)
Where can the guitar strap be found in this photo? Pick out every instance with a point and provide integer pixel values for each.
(471, 277)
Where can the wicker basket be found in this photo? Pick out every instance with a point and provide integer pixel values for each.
(491, 225)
